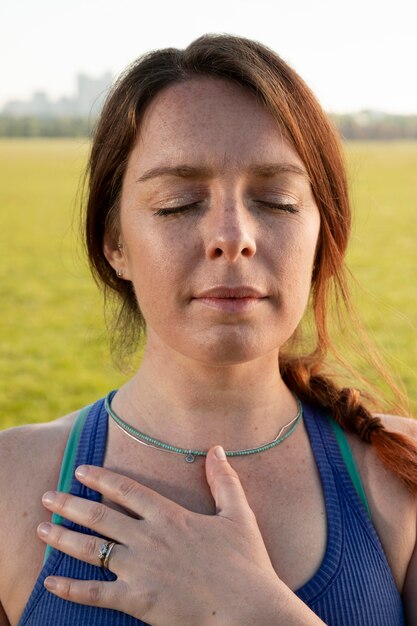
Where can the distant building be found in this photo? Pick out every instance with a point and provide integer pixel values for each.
(92, 93)
(88, 101)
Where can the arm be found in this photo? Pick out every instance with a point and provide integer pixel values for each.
(5, 465)
(409, 594)
(30, 457)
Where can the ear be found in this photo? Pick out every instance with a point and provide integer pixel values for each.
(115, 254)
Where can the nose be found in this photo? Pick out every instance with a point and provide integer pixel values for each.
(230, 231)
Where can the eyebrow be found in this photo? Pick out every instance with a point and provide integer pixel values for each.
(266, 170)
(181, 171)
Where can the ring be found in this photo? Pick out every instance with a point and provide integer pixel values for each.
(104, 553)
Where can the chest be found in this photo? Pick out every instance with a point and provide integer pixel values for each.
(284, 491)
(292, 520)
(282, 509)
(286, 496)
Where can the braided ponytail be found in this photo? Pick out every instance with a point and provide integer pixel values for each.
(397, 451)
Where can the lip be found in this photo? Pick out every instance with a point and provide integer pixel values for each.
(231, 299)
(222, 291)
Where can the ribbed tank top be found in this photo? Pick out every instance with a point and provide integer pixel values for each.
(353, 586)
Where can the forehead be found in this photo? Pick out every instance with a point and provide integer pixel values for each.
(212, 122)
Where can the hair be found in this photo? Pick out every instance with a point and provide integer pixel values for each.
(285, 95)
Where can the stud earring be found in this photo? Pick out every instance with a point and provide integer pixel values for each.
(119, 274)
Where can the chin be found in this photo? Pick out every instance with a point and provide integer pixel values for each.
(230, 350)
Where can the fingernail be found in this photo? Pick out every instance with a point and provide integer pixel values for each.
(49, 497)
(50, 583)
(219, 453)
(44, 528)
(82, 471)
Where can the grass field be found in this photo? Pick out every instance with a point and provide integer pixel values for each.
(53, 351)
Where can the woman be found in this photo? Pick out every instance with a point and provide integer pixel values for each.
(217, 211)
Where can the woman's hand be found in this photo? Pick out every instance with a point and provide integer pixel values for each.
(173, 566)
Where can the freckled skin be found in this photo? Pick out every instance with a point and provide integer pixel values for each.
(229, 238)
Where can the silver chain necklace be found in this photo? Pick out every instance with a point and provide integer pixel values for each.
(190, 455)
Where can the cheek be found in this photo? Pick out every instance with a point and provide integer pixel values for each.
(294, 262)
(296, 245)
(156, 278)
(295, 275)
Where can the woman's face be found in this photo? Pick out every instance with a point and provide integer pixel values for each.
(214, 197)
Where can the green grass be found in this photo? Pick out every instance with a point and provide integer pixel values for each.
(383, 255)
(53, 354)
(54, 351)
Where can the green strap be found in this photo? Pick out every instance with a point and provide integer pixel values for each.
(350, 462)
(67, 467)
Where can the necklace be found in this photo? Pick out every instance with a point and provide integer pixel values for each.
(190, 455)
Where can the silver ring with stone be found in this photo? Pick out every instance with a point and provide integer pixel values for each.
(105, 552)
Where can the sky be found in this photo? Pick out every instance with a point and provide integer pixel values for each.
(355, 55)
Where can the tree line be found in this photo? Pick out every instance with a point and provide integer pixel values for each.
(366, 125)
(32, 126)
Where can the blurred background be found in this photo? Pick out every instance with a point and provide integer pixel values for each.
(57, 62)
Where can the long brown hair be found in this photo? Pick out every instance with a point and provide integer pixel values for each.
(279, 88)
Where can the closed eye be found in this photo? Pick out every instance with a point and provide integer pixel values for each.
(178, 209)
(290, 208)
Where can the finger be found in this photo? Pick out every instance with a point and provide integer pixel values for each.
(91, 514)
(124, 491)
(107, 595)
(227, 490)
(83, 547)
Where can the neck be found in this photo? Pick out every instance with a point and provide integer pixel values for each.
(195, 405)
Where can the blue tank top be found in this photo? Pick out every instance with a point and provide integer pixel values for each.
(353, 586)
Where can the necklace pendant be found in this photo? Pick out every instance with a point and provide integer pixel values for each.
(190, 458)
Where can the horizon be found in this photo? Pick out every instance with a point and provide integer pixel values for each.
(73, 95)
(355, 56)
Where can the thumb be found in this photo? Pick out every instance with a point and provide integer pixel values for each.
(226, 487)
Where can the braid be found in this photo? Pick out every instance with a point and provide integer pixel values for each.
(351, 413)
(397, 451)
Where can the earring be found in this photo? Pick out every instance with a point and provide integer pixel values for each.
(119, 246)
(119, 274)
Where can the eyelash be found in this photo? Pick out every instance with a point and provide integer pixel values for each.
(179, 209)
(289, 208)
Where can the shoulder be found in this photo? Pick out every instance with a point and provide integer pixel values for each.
(408, 427)
(30, 457)
(392, 506)
(32, 446)
(380, 481)
(366, 453)
(30, 462)
(396, 423)
(405, 426)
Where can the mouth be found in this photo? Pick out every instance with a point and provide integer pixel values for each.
(231, 299)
